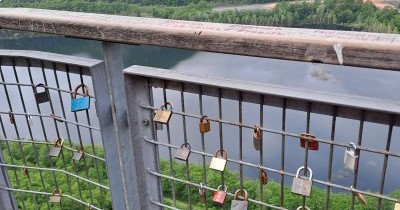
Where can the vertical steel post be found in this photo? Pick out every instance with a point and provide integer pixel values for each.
(7, 199)
(118, 147)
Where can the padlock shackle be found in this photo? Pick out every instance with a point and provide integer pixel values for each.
(223, 153)
(59, 192)
(307, 137)
(205, 117)
(82, 149)
(257, 131)
(165, 106)
(224, 186)
(301, 208)
(85, 90)
(38, 85)
(246, 196)
(186, 145)
(353, 145)
(303, 168)
(59, 142)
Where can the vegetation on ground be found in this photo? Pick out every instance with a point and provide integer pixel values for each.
(29, 153)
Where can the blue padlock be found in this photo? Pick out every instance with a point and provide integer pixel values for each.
(82, 103)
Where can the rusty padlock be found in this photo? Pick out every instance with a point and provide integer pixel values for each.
(202, 194)
(25, 171)
(360, 197)
(183, 152)
(78, 154)
(397, 205)
(204, 125)
(240, 204)
(312, 144)
(351, 157)
(300, 185)
(219, 195)
(57, 147)
(163, 114)
(41, 97)
(263, 177)
(257, 138)
(11, 116)
(55, 197)
(219, 162)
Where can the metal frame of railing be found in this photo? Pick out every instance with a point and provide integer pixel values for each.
(121, 142)
(141, 81)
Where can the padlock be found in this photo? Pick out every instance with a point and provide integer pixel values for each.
(312, 144)
(79, 154)
(204, 125)
(29, 118)
(90, 206)
(257, 138)
(41, 97)
(219, 196)
(350, 157)
(397, 205)
(56, 149)
(163, 114)
(11, 116)
(240, 204)
(300, 185)
(202, 194)
(263, 177)
(81, 103)
(183, 152)
(360, 197)
(301, 208)
(219, 162)
(25, 171)
(55, 197)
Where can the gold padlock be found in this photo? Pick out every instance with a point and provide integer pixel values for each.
(79, 154)
(257, 138)
(263, 176)
(204, 125)
(219, 162)
(57, 147)
(25, 171)
(163, 115)
(360, 197)
(397, 205)
(55, 197)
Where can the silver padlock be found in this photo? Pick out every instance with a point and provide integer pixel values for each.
(240, 204)
(257, 138)
(351, 157)
(55, 197)
(300, 185)
(57, 147)
(183, 152)
(29, 118)
(79, 154)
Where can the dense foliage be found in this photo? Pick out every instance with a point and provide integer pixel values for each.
(271, 190)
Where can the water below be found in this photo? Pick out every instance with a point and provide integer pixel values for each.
(326, 78)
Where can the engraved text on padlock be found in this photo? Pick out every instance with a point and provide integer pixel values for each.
(300, 185)
(183, 152)
(219, 162)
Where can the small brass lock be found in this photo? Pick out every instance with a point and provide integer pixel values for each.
(220, 195)
(300, 185)
(263, 177)
(219, 162)
(163, 115)
(57, 147)
(312, 144)
(81, 103)
(41, 97)
(351, 157)
(397, 205)
(55, 197)
(257, 138)
(25, 171)
(79, 154)
(204, 125)
(11, 116)
(159, 126)
(183, 152)
(202, 194)
(360, 197)
(240, 204)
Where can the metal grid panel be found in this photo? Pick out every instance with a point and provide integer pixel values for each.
(37, 126)
(219, 95)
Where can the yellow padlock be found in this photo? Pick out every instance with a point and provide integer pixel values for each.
(163, 114)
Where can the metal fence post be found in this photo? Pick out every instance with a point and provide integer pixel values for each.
(7, 199)
(111, 107)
